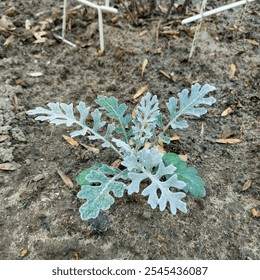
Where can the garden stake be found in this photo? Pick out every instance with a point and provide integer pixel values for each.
(64, 19)
(215, 11)
(99, 8)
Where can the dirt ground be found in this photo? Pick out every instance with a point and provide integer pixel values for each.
(39, 213)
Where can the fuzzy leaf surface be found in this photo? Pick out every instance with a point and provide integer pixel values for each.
(61, 113)
(97, 192)
(194, 184)
(81, 178)
(146, 119)
(188, 104)
(149, 165)
(116, 112)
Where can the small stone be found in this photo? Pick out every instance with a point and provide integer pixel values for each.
(18, 135)
(147, 214)
(6, 155)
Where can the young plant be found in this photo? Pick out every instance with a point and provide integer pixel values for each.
(164, 179)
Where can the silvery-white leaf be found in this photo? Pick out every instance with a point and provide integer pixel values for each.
(146, 119)
(187, 104)
(102, 183)
(98, 124)
(148, 164)
(124, 147)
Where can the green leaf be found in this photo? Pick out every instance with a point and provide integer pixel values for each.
(194, 183)
(81, 178)
(117, 112)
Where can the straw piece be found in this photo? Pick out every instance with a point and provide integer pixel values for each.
(202, 9)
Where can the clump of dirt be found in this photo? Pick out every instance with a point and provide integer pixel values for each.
(39, 213)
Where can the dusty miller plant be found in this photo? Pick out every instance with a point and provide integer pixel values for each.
(164, 179)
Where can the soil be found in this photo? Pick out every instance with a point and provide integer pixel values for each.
(39, 212)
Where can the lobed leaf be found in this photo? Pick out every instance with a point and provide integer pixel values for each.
(149, 165)
(194, 184)
(61, 113)
(145, 121)
(117, 112)
(187, 104)
(100, 184)
(81, 178)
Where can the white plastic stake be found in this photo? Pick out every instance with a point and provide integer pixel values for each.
(100, 9)
(64, 40)
(64, 19)
(95, 6)
(100, 28)
(215, 11)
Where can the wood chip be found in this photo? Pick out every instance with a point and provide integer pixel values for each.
(228, 141)
(255, 213)
(251, 200)
(9, 40)
(247, 185)
(35, 74)
(253, 42)
(227, 112)
(160, 142)
(140, 91)
(8, 166)
(232, 71)
(145, 63)
(40, 37)
(165, 74)
(90, 149)
(4, 137)
(170, 32)
(175, 138)
(116, 163)
(184, 157)
(24, 252)
(38, 177)
(142, 33)
(115, 19)
(160, 149)
(134, 111)
(6, 24)
(71, 141)
(190, 31)
(65, 179)
(147, 145)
